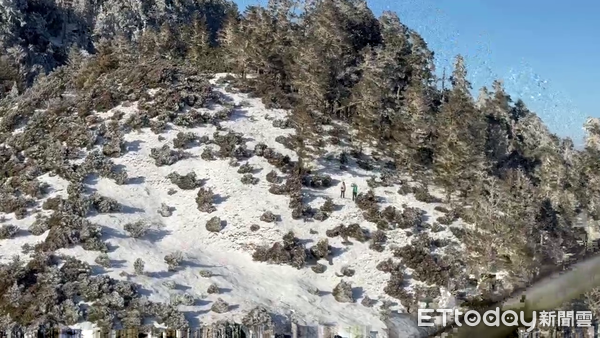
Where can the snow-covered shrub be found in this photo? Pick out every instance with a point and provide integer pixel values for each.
(328, 206)
(137, 229)
(245, 168)
(96, 162)
(164, 155)
(317, 181)
(405, 190)
(290, 251)
(214, 224)
(351, 231)
(287, 142)
(321, 250)
(39, 226)
(103, 260)
(212, 289)
(220, 306)
(173, 260)
(208, 155)
(259, 149)
(104, 204)
(278, 189)
(205, 199)
(347, 272)
(343, 292)
(169, 284)
(272, 177)
(187, 182)
(165, 210)
(389, 266)
(422, 194)
(268, 217)
(395, 288)
(410, 217)
(67, 230)
(366, 201)
(138, 266)
(427, 268)
(257, 316)
(318, 268)
(8, 231)
(184, 139)
(249, 179)
(378, 239)
(182, 299)
(283, 123)
(320, 215)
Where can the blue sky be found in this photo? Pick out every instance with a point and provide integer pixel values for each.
(544, 51)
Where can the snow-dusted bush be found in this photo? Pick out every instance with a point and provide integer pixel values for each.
(318, 268)
(328, 206)
(257, 316)
(278, 189)
(343, 292)
(182, 299)
(351, 231)
(220, 306)
(321, 250)
(164, 155)
(317, 181)
(249, 179)
(184, 140)
(320, 215)
(214, 224)
(165, 210)
(378, 239)
(272, 177)
(169, 284)
(290, 251)
(105, 204)
(268, 217)
(259, 149)
(205, 199)
(67, 230)
(212, 289)
(39, 226)
(245, 168)
(366, 201)
(137, 229)
(173, 260)
(8, 231)
(96, 162)
(422, 194)
(138, 266)
(103, 260)
(283, 123)
(208, 154)
(187, 182)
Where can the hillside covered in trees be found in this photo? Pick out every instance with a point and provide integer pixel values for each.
(518, 189)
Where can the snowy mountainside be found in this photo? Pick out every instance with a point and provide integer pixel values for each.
(243, 283)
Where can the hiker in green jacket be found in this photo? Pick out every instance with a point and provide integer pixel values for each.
(354, 191)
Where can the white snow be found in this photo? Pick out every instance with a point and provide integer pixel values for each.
(245, 283)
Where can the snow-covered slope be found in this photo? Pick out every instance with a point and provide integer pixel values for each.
(243, 282)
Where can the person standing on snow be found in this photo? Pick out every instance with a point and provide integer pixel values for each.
(343, 190)
(354, 191)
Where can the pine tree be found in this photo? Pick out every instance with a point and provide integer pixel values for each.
(459, 159)
(235, 45)
(198, 40)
